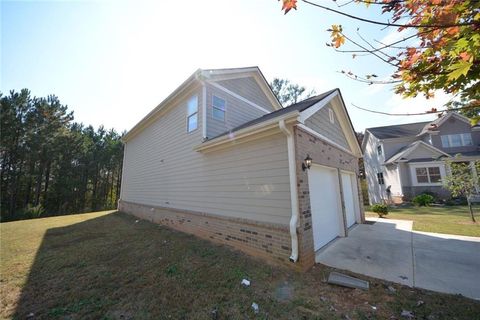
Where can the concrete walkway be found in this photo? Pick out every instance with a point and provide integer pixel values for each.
(390, 250)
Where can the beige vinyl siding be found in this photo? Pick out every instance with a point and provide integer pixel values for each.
(320, 122)
(249, 89)
(237, 112)
(248, 181)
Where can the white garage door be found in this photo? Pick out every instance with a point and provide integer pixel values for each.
(325, 205)
(349, 189)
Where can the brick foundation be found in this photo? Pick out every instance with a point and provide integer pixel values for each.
(270, 242)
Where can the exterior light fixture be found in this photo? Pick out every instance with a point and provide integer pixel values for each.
(306, 163)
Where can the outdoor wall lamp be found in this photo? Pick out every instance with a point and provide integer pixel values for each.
(307, 163)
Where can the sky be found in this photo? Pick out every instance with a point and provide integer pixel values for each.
(112, 62)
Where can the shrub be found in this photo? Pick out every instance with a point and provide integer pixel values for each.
(380, 209)
(32, 212)
(423, 200)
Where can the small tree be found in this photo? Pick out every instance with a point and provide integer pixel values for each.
(289, 93)
(460, 181)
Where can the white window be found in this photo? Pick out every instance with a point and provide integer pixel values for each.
(428, 175)
(456, 140)
(192, 114)
(380, 178)
(379, 150)
(331, 116)
(218, 108)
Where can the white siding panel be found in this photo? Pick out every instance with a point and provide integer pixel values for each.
(249, 89)
(320, 122)
(237, 113)
(249, 180)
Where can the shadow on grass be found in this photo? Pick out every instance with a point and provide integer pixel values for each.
(117, 267)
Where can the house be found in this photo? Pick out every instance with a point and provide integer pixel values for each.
(220, 158)
(410, 158)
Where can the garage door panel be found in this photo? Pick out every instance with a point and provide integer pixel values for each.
(325, 205)
(348, 197)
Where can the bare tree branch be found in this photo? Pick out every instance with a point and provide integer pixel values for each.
(388, 24)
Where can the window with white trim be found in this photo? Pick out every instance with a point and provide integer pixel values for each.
(380, 178)
(192, 114)
(218, 108)
(428, 174)
(331, 116)
(456, 140)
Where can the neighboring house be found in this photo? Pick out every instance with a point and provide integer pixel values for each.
(411, 157)
(222, 159)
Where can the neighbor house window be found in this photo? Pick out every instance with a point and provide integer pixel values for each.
(379, 150)
(192, 114)
(218, 108)
(428, 175)
(380, 178)
(331, 116)
(456, 140)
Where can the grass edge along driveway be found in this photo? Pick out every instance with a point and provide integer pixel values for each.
(439, 219)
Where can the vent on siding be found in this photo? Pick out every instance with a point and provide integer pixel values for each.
(330, 115)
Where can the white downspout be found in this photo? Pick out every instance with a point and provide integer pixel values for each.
(293, 189)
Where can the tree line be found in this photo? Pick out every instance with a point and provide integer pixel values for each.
(51, 165)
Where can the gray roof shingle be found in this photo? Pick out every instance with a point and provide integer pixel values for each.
(398, 131)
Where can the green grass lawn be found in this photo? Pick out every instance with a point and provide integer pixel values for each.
(111, 266)
(448, 219)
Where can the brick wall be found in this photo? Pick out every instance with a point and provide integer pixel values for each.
(324, 154)
(269, 242)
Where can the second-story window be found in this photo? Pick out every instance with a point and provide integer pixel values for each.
(192, 114)
(218, 108)
(456, 140)
(379, 150)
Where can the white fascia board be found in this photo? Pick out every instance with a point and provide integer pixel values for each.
(239, 97)
(453, 114)
(322, 137)
(151, 115)
(204, 110)
(304, 115)
(257, 128)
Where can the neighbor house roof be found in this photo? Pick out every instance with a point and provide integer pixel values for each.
(300, 106)
(398, 131)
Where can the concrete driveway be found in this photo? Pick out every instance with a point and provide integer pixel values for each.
(390, 250)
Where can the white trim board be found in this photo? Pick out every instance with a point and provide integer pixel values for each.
(304, 115)
(239, 97)
(322, 137)
(204, 110)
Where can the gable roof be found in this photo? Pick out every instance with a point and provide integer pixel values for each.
(300, 106)
(407, 150)
(196, 78)
(234, 73)
(295, 113)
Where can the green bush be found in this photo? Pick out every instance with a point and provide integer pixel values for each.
(423, 200)
(380, 209)
(32, 212)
